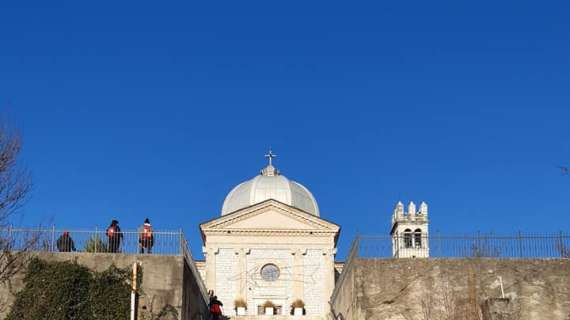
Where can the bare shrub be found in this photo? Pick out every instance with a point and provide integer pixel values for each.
(15, 184)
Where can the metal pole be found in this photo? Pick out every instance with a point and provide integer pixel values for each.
(520, 245)
(181, 239)
(134, 293)
(52, 237)
(562, 249)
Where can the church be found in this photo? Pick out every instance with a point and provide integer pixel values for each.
(271, 253)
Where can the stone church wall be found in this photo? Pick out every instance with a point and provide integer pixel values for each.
(449, 289)
(260, 290)
(313, 281)
(226, 264)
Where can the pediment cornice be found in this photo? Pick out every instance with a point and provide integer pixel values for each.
(315, 225)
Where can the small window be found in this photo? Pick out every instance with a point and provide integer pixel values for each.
(418, 238)
(270, 272)
(407, 238)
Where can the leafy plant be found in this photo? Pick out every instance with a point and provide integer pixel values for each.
(484, 249)
(95, 244)
(67, 290)
(298, 304)
(240, 303)
(55, 291)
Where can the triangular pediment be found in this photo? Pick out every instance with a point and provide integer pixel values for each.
(270, 215)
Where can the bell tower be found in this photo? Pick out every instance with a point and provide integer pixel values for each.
(410, 231)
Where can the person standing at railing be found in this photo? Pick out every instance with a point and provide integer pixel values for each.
(146, 237)
(114, 236)
(65, 243)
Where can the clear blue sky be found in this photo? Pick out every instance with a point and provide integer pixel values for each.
(136, 109)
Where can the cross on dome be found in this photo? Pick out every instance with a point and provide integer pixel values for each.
(270, 170)
(270, 155)
(270, 184)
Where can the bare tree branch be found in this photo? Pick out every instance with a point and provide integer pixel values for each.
(15, 184)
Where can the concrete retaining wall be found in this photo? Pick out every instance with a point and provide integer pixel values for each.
(446, 289)
(167, 282)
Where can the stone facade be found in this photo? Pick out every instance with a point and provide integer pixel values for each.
(296, 247)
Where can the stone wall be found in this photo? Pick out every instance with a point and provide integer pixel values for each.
(167, 282)
(194, 307)
(313, 282)
(446, 289)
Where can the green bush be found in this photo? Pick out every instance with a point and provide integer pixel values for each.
(55, 291)
(95, 244)
(67, 290)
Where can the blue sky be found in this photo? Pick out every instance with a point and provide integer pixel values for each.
(147, 109)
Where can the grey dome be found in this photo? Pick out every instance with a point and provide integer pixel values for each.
(270, 184)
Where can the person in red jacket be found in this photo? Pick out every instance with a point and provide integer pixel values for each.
(146, 237)
(215, 308)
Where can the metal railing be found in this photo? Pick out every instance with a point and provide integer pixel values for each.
(412, 245)
(187, 254)
(522, 246)
(94, 241)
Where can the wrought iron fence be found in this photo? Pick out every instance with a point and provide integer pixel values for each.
(56, 240)
(477, 245)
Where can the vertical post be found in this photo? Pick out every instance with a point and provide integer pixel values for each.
(478, 245)
(95, 239)
(52, 238)
(440, 247)
(520, 244)
(502, 289)
(134, 292)
(181, 240)
(564, 252)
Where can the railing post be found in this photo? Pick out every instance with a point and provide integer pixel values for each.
(440, 247)
(562, 248)
(181, 240)
(520, 244)
(52, 238)
(478, 246)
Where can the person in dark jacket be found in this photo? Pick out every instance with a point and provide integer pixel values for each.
(65, 243)
(114, 235)
(215, 308)
(146, 237)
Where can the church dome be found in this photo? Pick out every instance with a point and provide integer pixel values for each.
(270, 184)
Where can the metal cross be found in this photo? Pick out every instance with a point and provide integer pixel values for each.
(270, 155)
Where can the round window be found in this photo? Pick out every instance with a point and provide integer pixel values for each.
(270, 272)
